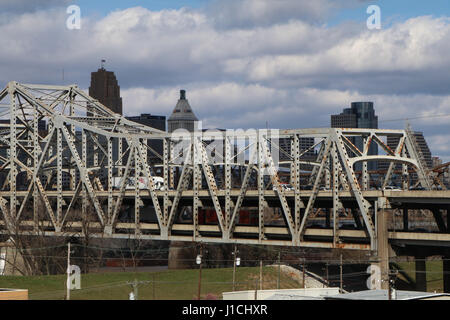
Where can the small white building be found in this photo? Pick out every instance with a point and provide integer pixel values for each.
(282, 294)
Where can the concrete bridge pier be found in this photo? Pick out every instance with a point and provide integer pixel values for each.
(382, 244)
(405, 219)
(446, 259)
(446, 270)
(421, 271)
(182, 255)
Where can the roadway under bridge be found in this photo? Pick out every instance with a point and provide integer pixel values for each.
(70, 166)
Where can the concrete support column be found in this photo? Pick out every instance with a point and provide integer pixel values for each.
(446, 271)
(405, 219)
(448, 220)
(421, 275)
(327, 217)
(382, 245)
(181, 255)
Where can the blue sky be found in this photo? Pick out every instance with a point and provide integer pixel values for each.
(392, 10)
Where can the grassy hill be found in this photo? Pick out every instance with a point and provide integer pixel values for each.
(161, 285)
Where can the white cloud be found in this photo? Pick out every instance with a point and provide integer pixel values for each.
(250, 13)
(288, 72)
(419, 44)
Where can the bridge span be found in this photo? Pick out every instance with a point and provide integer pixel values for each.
(70, 166)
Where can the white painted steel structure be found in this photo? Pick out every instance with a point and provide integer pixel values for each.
(91, 146)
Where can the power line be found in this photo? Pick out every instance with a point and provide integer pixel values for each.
(418, 117)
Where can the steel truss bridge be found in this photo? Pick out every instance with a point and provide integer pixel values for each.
(62, 179)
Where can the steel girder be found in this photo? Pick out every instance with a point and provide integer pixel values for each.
(84, 169)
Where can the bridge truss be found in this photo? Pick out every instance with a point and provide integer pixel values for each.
(62, 154)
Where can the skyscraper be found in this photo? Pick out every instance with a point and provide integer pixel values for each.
(157, 122)
(182, 116)
(105, 88)
(424, 150)
(359, 115)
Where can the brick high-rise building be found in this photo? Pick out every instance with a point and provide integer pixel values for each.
(105, 88)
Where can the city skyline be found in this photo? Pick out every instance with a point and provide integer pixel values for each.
(288, 68)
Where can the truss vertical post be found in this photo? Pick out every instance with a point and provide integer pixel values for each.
(328, 174)
(73, 182)
(84, 200)
(36, 148)
(405, 173)
(364, 169)
(120, 156)
(295, 181)
(336, 202)
(95, 154)
(228, 204)
(171, 170)
(166, 146)
(59, 186)
(13, 151)
(196, 183)
(50, 147)
(261, 188)
(110, 182)
(137, 198)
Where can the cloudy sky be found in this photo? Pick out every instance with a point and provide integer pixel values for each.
(245, 63)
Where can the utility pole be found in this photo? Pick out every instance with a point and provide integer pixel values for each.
(391, 291)
(68, 272)
(341, 280)
(134, 285)
(153, 286)
(135, 289)
(260, 275)
(234, 267)
(279, 270)
(304, 271)
(200, 262)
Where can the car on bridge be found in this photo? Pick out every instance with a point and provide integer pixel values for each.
(392, 188)
(285, 187)
(418, 188)
(142, 183)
